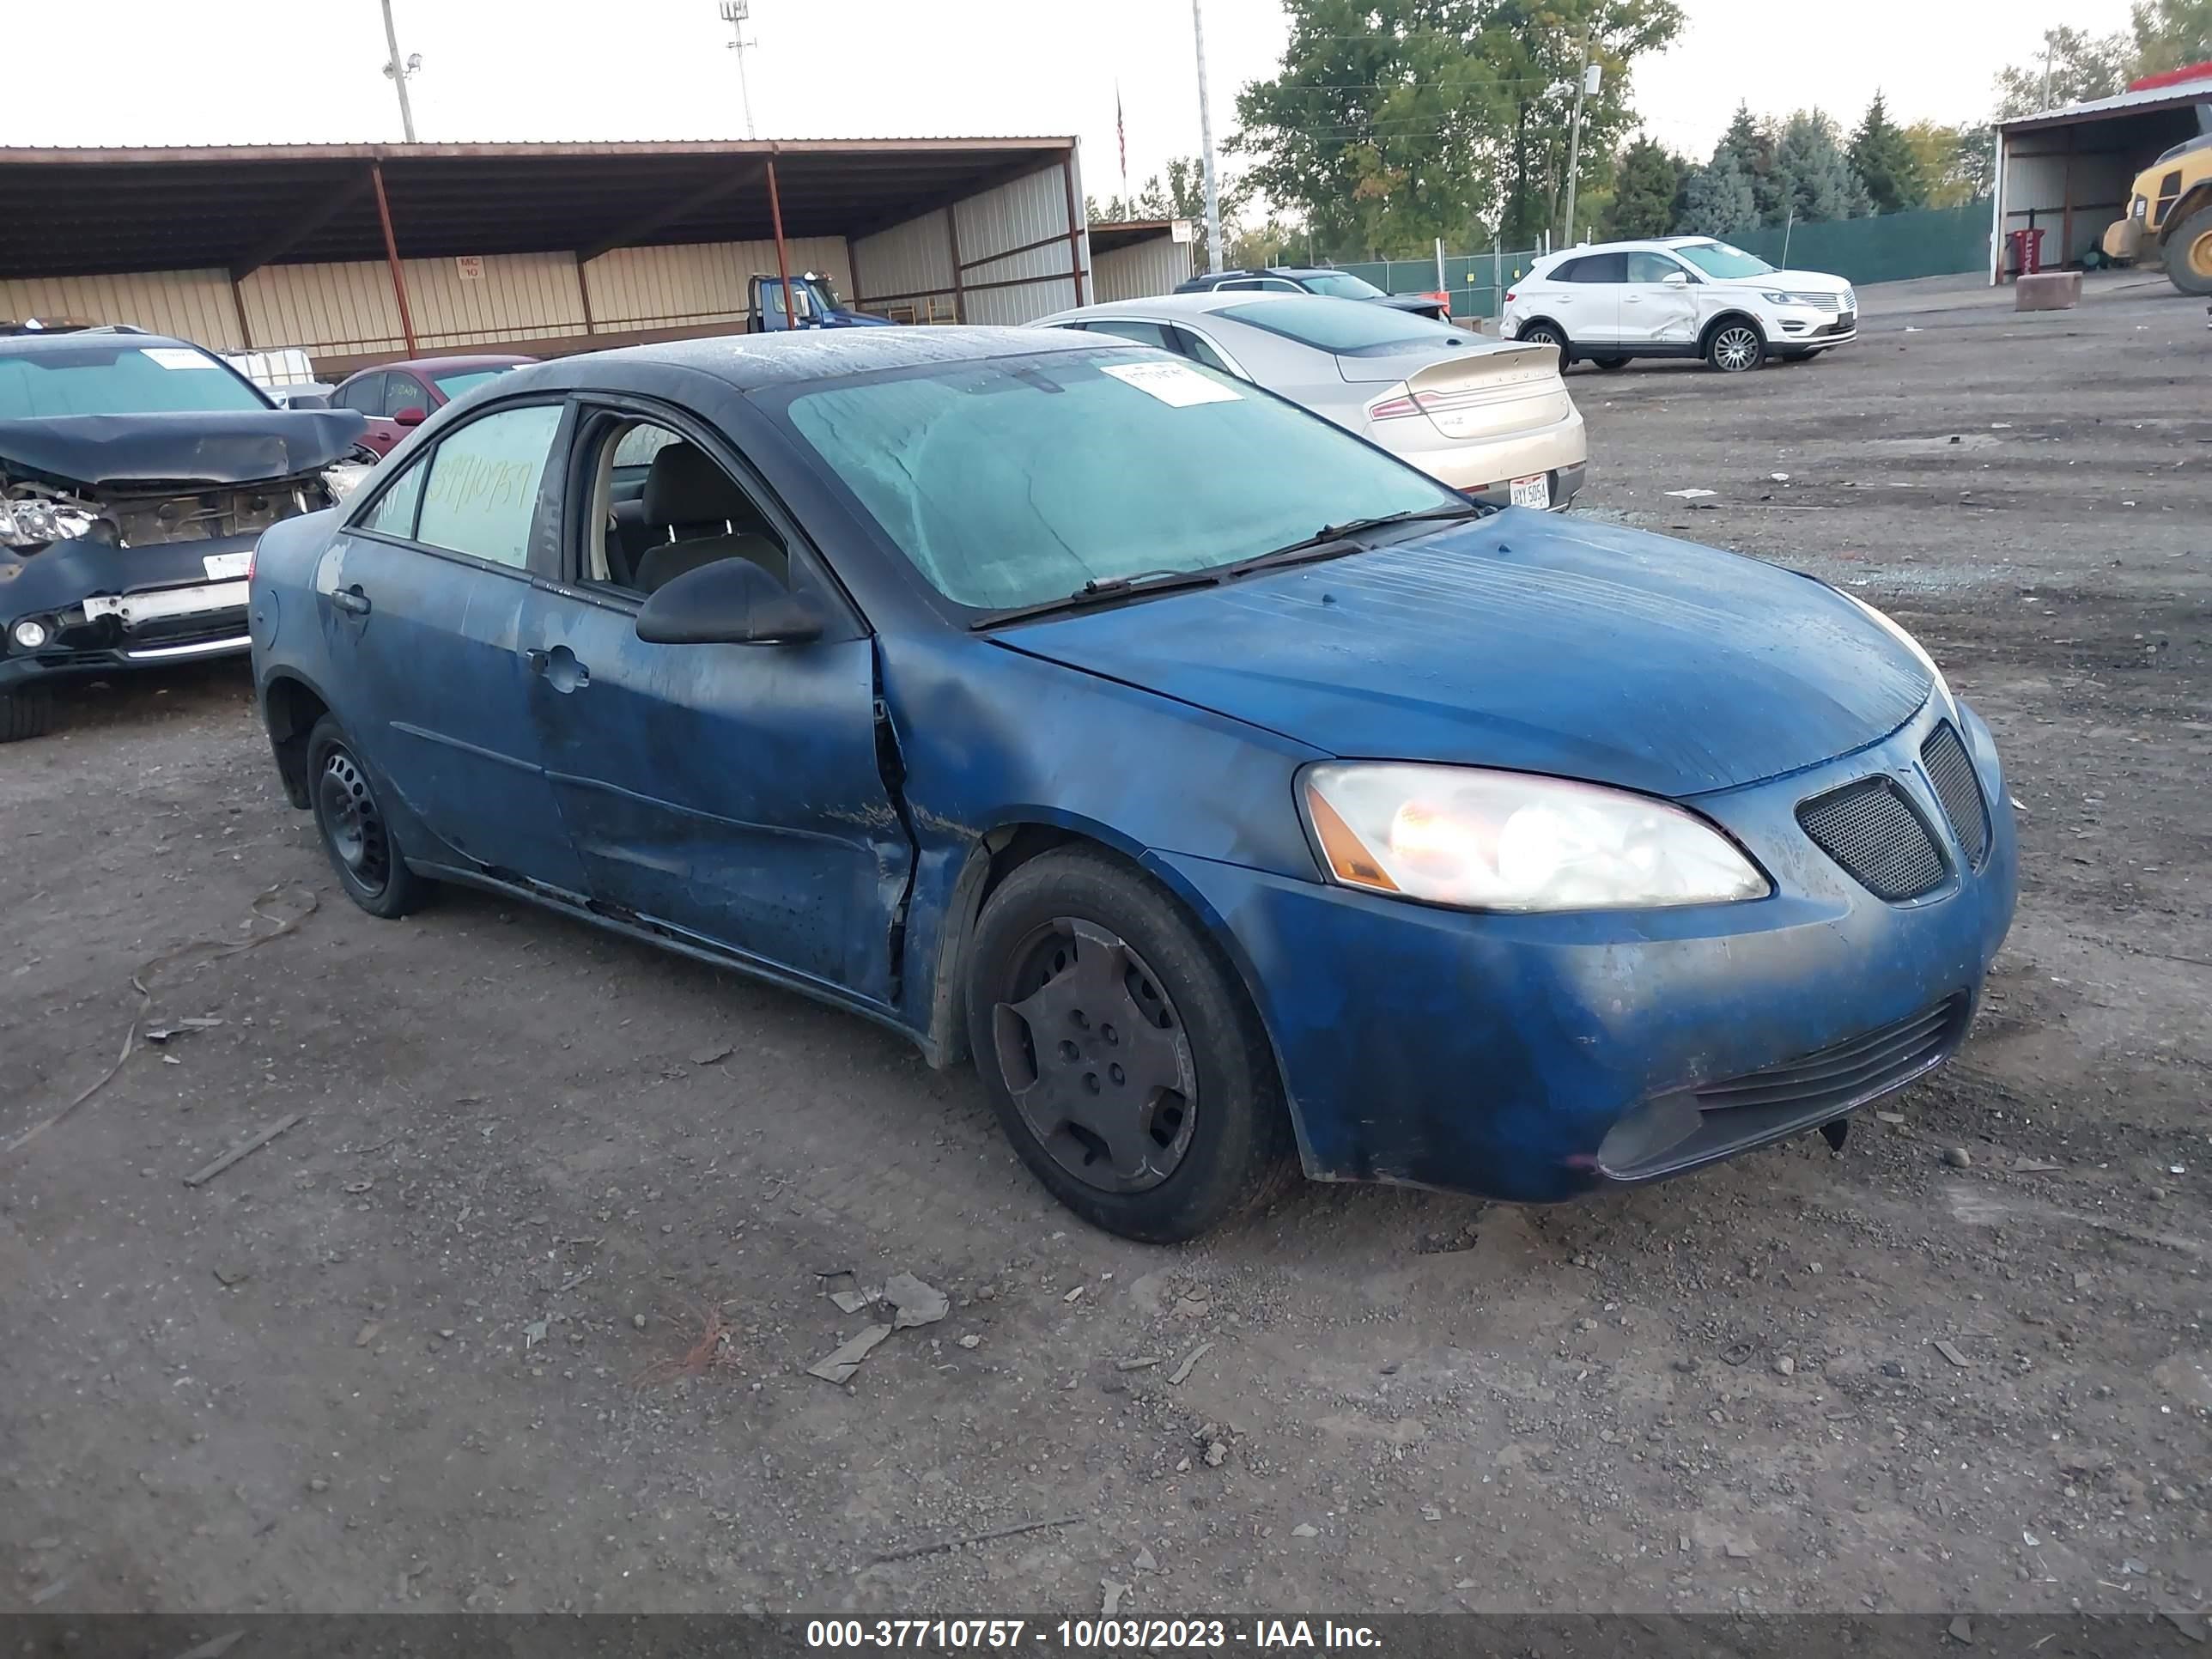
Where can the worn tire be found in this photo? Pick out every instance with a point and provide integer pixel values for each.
(1610, 363)
(1239, 1151)
(384, 886)
(1735, 346)
(2189, 253)
(25, 713)
(1549, 334)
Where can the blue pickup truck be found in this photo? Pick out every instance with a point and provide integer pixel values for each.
(813, 300)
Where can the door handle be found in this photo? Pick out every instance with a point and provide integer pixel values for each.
(1631, 300)
(351, 600)
(560, 667)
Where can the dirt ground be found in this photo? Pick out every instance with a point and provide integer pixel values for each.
(517, 1314)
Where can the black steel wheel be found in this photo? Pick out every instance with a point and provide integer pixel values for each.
(355, 832)
(1120, 1052)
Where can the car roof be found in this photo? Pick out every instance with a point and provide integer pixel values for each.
(1646, 243)
(752, 362)
(1192, 304)
(24, 345)
(484, 360)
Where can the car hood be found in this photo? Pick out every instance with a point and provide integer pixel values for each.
(1806, 282)
(231, 446)
(1521, 641)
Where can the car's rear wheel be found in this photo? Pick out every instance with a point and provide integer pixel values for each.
(1121, 1052)
(25, 713)
(2189, 253)
(1735, 347)
(355, 832)
(1610, 362)
(1548, 334)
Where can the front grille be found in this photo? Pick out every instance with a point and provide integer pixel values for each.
(1952, 772)
(1878, 836)
(1824, 302)
(1846, 1073)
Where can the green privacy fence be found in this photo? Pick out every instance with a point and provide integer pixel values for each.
(1928, 242)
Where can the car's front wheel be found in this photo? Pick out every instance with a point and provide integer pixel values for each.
(25, 713)
(355, 832)
(1122, 1057)
(1735, 347)
(1610, 362)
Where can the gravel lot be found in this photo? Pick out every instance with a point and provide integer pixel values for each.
(517, 1316)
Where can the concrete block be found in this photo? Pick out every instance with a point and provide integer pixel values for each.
(2048, 290)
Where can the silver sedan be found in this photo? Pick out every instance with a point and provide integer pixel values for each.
(1492, 419)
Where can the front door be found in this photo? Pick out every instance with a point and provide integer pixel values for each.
(1654, 311)
(425, 598)
(731, 792)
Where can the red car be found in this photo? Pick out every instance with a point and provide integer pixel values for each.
(400, 397)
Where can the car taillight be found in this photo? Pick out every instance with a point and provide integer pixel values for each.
(1509, 294)
(1391, 408)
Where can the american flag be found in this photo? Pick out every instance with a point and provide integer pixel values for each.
(1122, 136)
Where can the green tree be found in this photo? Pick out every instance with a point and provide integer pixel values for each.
(1646, 181)
(2169, 34)
(1954, 160)
(1180, 194)
(1816, 180)
(1886, 163)
(1718, 199)
(1750, 144)
(2074, 67)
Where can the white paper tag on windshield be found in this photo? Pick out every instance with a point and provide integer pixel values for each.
(1172, 383)
(175, 356)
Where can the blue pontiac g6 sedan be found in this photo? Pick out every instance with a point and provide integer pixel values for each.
(1237, 796)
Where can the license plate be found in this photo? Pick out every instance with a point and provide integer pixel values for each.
(1534, 490)
(227, 567)
(1848, 320)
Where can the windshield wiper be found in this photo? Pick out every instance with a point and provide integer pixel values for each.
(1333, 540)
(1101, 589)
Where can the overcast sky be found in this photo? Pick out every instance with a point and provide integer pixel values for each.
(233, 71)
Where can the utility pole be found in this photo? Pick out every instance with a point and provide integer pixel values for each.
(734, 13)
(1205, 144)
(2047, 50)
(398, 71)
(1586, 84)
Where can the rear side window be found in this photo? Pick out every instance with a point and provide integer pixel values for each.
(1199, 351)
(1601, 268)
(365, 394)
(1345, 325)
(482, 489)
(1564, 271)
(1151, 334)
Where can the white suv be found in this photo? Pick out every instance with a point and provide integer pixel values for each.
(1679, 296)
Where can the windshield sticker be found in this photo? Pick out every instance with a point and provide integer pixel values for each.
(1173, 384)
(174, 356)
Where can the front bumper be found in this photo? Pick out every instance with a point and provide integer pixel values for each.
(1497, 1054)
(1809, 325)
(110, 608)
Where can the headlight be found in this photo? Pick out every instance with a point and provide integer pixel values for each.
(1774, 297)
(33, 520)
(31, 634)
(343, 479)
(1504, 841)
(1897, 632)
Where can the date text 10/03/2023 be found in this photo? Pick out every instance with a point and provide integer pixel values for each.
(1089, 1635)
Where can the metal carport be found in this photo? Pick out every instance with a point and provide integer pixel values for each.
(2067, 170)
(364, 252)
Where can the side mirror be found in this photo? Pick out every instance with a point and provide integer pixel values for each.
(729, 602)
(410, 416)
(1676, 279)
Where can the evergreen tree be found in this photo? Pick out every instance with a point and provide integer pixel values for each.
(1719, 201)
(1645, 184)
(1751, 144)
(1814, 181)
(1886, 162)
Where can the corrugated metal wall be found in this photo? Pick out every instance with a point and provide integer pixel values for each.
(348, 309)
(192, 305)
(699, 282)
(912, 263)
(1143, 269)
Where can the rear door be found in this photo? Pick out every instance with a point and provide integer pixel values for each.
(423, 596)
(1590, 299)
(731, 793)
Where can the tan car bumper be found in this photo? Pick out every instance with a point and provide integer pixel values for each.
(1484, 468)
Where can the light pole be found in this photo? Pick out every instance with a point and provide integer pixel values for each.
(1592, 74)
(734, 13)
(400, 72)
(1205, 145)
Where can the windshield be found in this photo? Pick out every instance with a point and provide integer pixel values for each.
(1016, 481)
(1342, 327)
(1342, 284)
(102, 378)
(1719, 259)
(467, 380)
